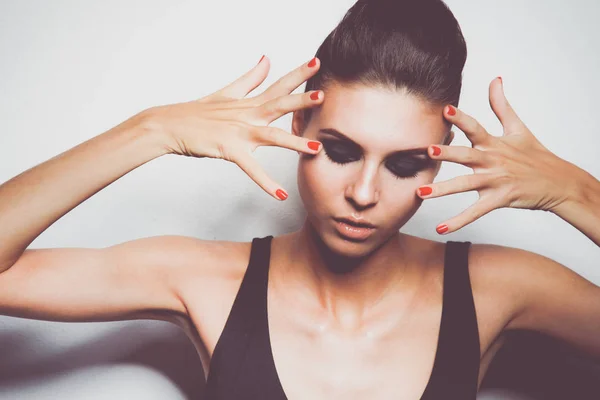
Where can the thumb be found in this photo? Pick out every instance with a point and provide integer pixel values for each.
(502, 108)
(246, 83)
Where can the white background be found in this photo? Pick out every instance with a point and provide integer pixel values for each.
(70, 70)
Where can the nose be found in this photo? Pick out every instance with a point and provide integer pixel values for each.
(363, 192)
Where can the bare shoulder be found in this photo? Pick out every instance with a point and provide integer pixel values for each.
(205, 263)
(499, 276)
(493, 270)
(543, 295)
(522, 278)
(207, 285)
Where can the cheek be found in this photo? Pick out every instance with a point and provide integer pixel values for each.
(401, 205)
(401, 199)
(317, 183)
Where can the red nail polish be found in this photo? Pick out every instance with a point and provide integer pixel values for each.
(281, 194)
(314, 96)
(442, 228)
(424, 191)
(451, 110)
(312, 62)
(436, 150)
(259, 61)
(313, 145)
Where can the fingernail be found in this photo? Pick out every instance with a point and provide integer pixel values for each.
(501, 80)
(314, 95)
(259, 61)
(425, 191)
(312, 62)
(313, 145)
(436, 150)
(450, 110)
(442, 228)
(281, 194)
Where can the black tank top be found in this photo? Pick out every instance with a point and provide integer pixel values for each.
(242, 365)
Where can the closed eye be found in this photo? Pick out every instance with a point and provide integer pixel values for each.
(342, 154)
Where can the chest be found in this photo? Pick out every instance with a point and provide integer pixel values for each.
(383, 361)
(393, 360)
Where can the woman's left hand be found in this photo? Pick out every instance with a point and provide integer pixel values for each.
(513, 170)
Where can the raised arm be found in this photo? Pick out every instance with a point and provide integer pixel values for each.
(38, 197)
(137, 278)
(514, 170)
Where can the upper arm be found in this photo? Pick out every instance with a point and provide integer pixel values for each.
(550, 298)
(132, 280)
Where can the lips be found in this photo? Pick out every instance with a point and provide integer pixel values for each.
(354, 222)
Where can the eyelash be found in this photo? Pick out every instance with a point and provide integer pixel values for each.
(330, 157)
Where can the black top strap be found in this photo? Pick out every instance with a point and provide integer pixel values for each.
(456, 367)
(241, 356)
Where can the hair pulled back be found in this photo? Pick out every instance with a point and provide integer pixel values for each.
(415, 45)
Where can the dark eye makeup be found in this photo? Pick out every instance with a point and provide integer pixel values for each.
(342, 153)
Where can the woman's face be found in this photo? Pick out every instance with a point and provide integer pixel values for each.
(361, 171)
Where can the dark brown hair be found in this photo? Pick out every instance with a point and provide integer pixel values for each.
(416, 45)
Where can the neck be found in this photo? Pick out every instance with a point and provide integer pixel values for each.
(348, 289)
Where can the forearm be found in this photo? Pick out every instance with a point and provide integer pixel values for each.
(582, 205)
(35, 199)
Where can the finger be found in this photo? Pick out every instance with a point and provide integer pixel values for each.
(288, 83)
(472, 129)
(255, 171)
(460, 184)
(272, 136)
(502, 108)
(467, 156)
(280, 106)
(246, 83)
(473, 213)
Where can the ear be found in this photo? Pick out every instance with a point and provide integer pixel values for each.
(298, 123)
(449, 139)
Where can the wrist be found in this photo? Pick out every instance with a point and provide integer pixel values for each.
(583, 192)
(146, 124)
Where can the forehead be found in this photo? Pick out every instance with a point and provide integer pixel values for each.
(380, 116)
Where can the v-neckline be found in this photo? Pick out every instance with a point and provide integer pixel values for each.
(268, 330)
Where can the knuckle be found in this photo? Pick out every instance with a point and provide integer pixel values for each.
(242, 131)
(271, 135)
(479, 129)
(239, 128)
(469, 156)
(254, 102)
(271, 108)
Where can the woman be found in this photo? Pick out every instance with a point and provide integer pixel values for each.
(336, 309)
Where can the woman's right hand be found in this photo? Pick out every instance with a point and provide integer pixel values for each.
(229, 126)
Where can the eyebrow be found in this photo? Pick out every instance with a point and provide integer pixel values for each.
(405, 152)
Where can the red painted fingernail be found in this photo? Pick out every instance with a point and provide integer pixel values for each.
(313, 145)
(281, 194)
(312, 62)
(424, 191)
(436, 150)
(500, 79)
(442, 228)
(314, 95)
(451, 110)
(259, 61)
